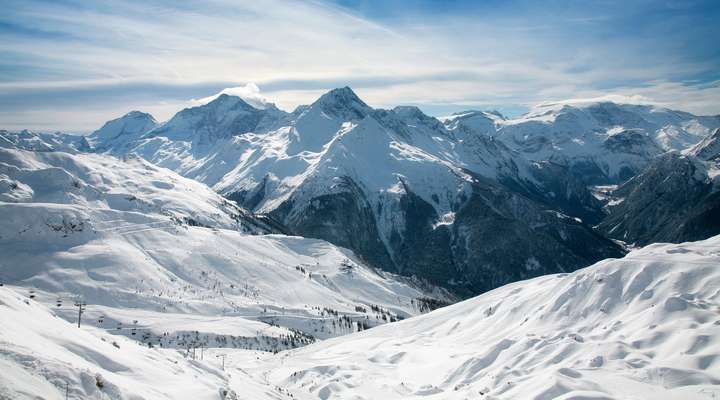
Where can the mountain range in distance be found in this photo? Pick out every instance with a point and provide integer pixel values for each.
(467, 202)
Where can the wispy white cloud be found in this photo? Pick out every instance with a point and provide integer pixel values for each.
(156, 55)
(702, 99)
(250, 93)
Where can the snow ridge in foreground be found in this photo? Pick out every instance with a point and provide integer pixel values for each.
(646, 326)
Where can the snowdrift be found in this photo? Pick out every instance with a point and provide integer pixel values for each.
(646, 326)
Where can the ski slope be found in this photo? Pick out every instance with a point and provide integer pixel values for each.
(167, 261)
(45, 357)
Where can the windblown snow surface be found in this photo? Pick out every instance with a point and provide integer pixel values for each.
(642, 327)
(646, 326)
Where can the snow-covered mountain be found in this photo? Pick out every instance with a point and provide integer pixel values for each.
(602, 142)
(36, 141)
(641, 327)
(403, 190)
(94, 185)
(120, 131)
(224, 117)
(164, 258)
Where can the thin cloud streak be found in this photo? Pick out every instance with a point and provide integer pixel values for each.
(152, 54)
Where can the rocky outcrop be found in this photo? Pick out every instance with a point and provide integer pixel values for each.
(673, 200)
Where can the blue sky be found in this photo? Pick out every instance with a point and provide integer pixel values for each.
(70, 65)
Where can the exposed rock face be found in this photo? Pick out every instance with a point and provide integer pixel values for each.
(709, 148)
(496, 236)
(561, 189)
(499, 227)
(674, 200)
(344, 218)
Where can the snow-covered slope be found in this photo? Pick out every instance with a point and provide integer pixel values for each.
(45, 357)
(99, 185)
(140, 243)
(119, 132)
(603, 142)
(397, 186)
(642, 327)
(36, 141)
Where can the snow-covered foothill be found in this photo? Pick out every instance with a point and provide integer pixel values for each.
(154, 253)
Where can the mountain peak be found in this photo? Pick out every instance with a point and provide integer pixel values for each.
(473, 121)
(224, 116)
(227, 100)
(218, 107)
(414, 115)
(409, 111)
(343, 102)
(130, 126)
(343, 93)
(496, 113)
(138, 114)
(488, 114)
